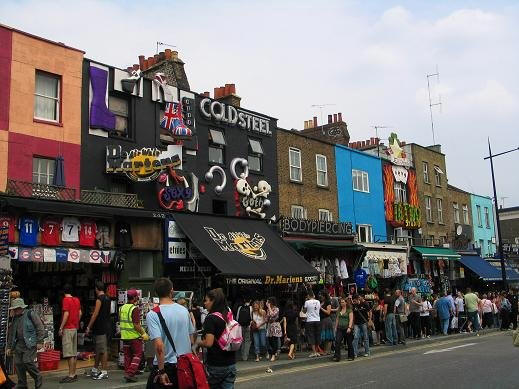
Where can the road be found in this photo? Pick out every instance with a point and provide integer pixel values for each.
(475, 362)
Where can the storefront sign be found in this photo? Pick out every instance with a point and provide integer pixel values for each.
(143, 164)
(396, 153)
(422, 285)
(174, 230)
(317, 227)
(271, 280)
(406, 215)
(174, 242)
(239, 242)
(232, 116)
(181, 191)
(177, 250)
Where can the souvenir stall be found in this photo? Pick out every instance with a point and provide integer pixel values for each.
(383, 266)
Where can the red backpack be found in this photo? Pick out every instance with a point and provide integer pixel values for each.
(190, 370)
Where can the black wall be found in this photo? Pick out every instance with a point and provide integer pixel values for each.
(144, 120)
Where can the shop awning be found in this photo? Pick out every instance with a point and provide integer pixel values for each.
(436, 253)
(511, 273)
(482, 268)
(247, 249)
(325, 244)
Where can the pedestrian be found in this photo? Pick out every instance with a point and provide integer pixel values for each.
(400, 315)
(290, 317)
(244, 318)
(487, 311)
(182, 301)
(378, 319)
(453, 310)
(99, 325)
(460, 311)
(425, 318)
(71, 314)
(259, 329)
(471, 305)
(344, 330)
(220, 364)
(506, 308)
(444, 308)
(132, 335)
(390, 320)
(361, 317)
(26, 335)
(274, 333)
(327, 326)
(415, 305)
(312, 308)
(177, 323)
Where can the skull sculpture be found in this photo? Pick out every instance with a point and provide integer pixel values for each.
(243, 187)
(264, 189)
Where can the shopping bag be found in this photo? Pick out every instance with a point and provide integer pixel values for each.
(454, 322)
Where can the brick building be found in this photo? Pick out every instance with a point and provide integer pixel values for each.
(460, 229)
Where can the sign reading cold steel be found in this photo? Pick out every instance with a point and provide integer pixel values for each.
(223, 113)
(318, 227)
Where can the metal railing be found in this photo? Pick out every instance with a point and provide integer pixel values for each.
(40, 191)
(127, 200)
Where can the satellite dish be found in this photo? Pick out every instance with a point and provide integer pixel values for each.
(459, 230)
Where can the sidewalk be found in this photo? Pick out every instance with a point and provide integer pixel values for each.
(116, 381)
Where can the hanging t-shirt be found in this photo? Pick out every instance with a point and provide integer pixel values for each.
(87, 234)
(8, 221)
(344, 270)
(123, 235)
(71, 228)
(50, 232)
(360, 277)
(28, 227)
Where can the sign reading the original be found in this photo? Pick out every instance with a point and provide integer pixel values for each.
(232, 116)
(318, 227)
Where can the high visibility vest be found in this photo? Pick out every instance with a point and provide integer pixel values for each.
(128, 331)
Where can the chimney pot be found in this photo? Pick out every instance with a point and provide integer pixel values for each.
(216, 90)
(174, 54)
(151, 61)
(233, 89)
(141, 61)
(157, 58)
(305, 125)
(145, 65)
(315, 121)
(368, 142)
(206, 94)
(363, 144)
(335, 118)
(162, 56)
(227, 90)
(339, 116)
(329, 119)
(167, 53)
(135, 66)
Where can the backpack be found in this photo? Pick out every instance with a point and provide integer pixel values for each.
(231, 337)
(243, 316)
(190, 370)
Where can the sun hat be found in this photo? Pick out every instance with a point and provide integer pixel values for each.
(17, 303)
(132, 293)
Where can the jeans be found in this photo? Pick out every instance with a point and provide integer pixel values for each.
(245, 346)
(23, 359)
(361, 330)
(221, 377)
(260, 340)
(391, 332)
(473, 318)
(400, 329)
(414, 322)
(339, 337)
(444, 323)
(505, 319)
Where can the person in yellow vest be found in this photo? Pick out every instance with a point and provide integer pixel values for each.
(132, 335)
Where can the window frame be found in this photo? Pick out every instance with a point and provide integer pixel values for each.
(425, 167)
(114, 133)
(456, 208)
(138, 257)
(327, 212)
(466, 219)
(58, 99)
(252, 154)
(220, 146)
(437, 176)
(439, 210)
(300, 208)
(400, 191)
(478, 214)
(299, 168)
(355, 173)
(368, 228)
(317, 170)
(428, 210)
(487, 217)
(48, 174)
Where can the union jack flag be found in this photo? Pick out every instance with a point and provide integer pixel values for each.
(173, 120)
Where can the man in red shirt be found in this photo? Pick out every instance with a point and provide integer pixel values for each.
(71, 309)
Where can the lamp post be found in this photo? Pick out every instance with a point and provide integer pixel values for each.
(499, 239)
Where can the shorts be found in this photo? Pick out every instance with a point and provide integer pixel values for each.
(69, 343)
(101, 344)
(313, 332)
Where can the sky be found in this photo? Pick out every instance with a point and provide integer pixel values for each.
(367, 59)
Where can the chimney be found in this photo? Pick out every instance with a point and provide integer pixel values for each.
(363, 144)
(227, 94)
(206, 94)
(141, 61)
(329, 119)
(368, 142)
(315, 121)
(166, 62)
(167, 53)
(335, 118)
(339, 116)
(305, 125)
(135, 66)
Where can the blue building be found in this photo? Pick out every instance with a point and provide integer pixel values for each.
(360, 193)
(483, 224)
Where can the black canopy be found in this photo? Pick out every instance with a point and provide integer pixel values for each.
(246, 249)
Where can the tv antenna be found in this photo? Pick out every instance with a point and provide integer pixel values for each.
(376, 134)
(503, 201)
(164, 44)
(431, 104)
(321, 106)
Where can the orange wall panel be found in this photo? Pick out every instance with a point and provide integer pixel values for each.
(4, 136)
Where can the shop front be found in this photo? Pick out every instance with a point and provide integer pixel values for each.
(386, 263)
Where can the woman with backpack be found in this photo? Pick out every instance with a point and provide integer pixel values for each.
(274, 333)
(220, 364)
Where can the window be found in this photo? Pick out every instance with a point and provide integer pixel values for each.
(466, 214)
(481, 245)
(325, 215)
(364, 233)
(487, 218)
(428, 209)
(438, 175)
(439, 208)
(255, 156)
(478, 211)
(298, 212)
(456, 212)
(219, 207)
(47, 96)
(426, 172)
(400, 192)
(322, 170)
(430, 241)
(119, 107)
(43, 170)
(140, 264)
(295, 164)
(489, 247)
(360, 181)
(216, 146)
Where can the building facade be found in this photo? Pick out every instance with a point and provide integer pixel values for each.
(483, 224)
(459, 205)
(306, 177)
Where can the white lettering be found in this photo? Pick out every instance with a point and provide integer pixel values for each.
(203, 109)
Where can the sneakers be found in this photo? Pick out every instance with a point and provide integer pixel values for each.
(366, 355)
(101, 376)
(92, 372)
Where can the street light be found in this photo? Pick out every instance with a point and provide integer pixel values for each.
(500, 241)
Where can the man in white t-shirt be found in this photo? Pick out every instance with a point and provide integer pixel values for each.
(459, 304)
(313, 322)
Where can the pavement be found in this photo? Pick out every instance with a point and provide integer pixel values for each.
(250, 371)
